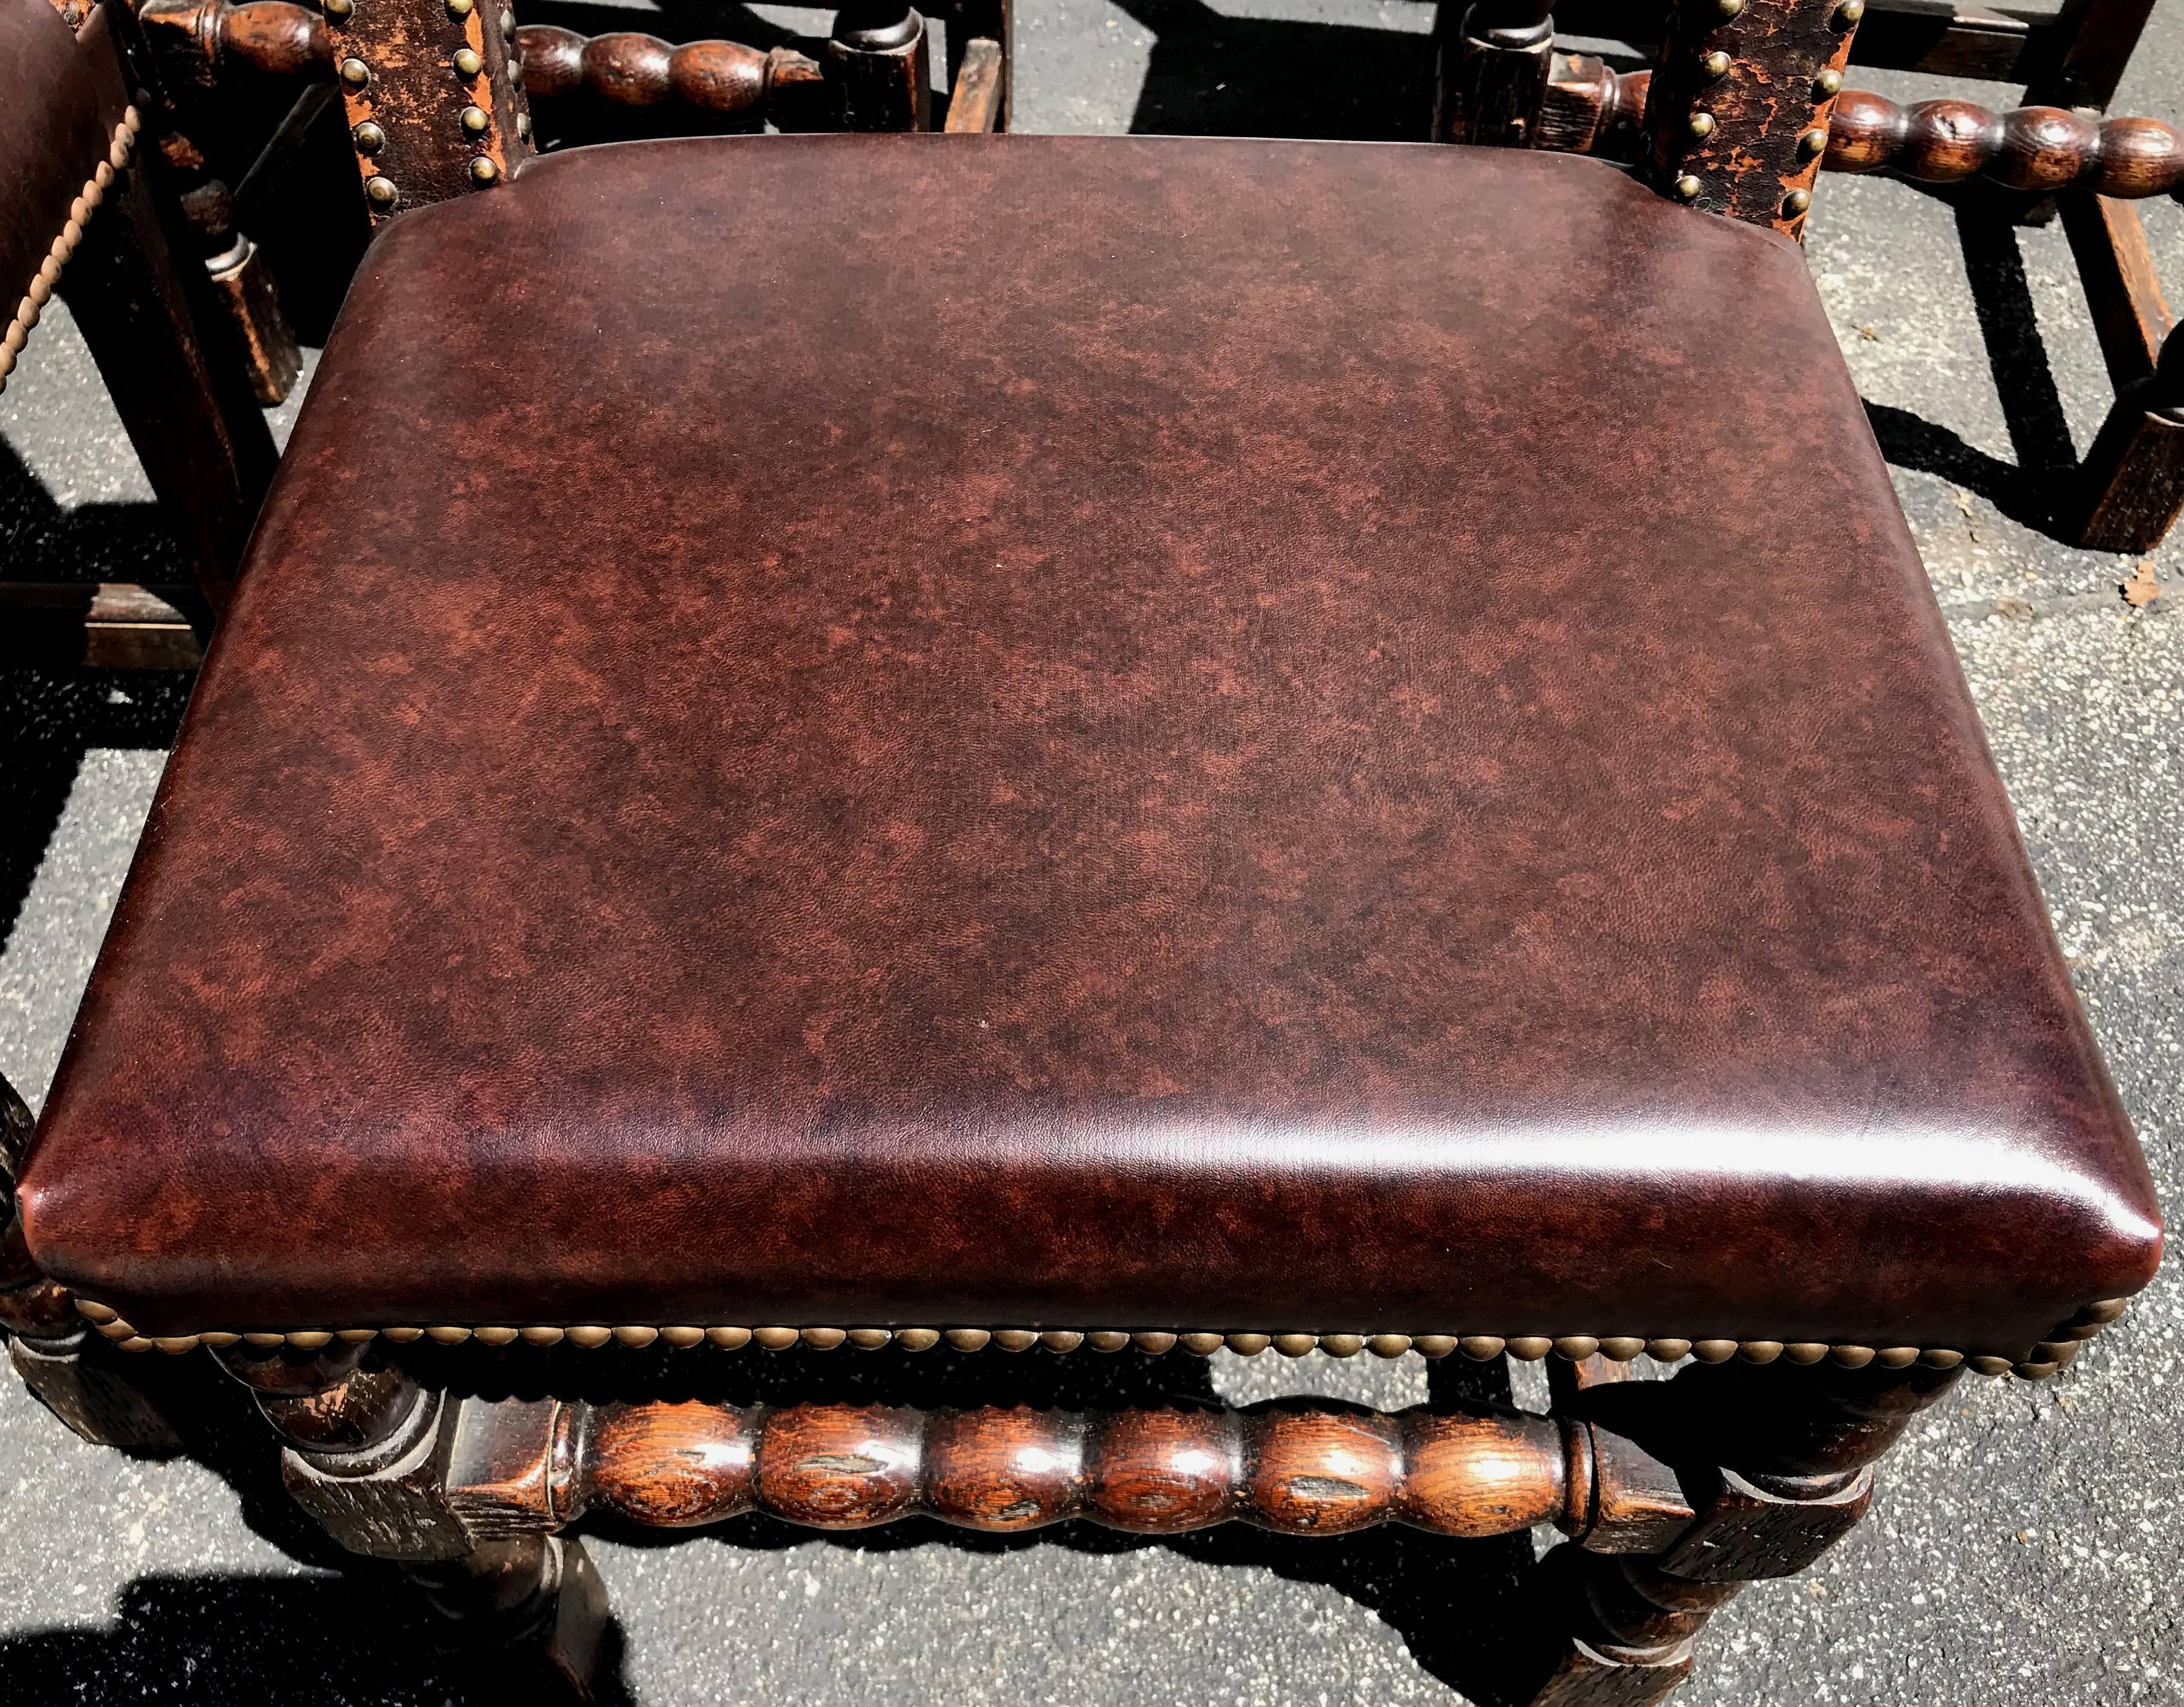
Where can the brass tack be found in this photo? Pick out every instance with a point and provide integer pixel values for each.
(1482, 1348)
(1700, 124)
(968, 1338)
(1812, 142)
(635, 1334)
(1249, 1344)
(176, 1344)
(1989, 1365)
(1621, 1350)
(728, 1338)
(6, 361)
(2107, 1310)
(1687, 188)
(507, 25)
(135, 1342)
(541, 1336)
(26, 316)
(220, 1342)
(2037, 1372)
(496, 1335)
(102, 175)
(96, 1312)
(1713, 1350)
(339, 10)
(368, 138)
(591, 1336)
(1850, 1356)
(1729, 8)
(118, 1329)
(1433, 1344)
(1941, 1359)
(1342, 1344)
(380, 191)
(514, 70)
(399, 1335)
(1015, 1338)
(822, 1339)
(1530, 1348)
(870, 1339)
(1200, 1344)
(467, 63)
(460, 8)
(1716, 63)
(1796, 202)
(1760, 1351)
(1828, 84)
(41, 292)
(776, 1338)
(2080, 1330)
(312, 1341)
(1806, 1351)
(1576, 1347)
(1897, 1356)
(1668, 1350)
(1296, 1344)
(264, 1342)
(1107, 1339)
(348, 1336)
(1061, 1339)
(683, 1338)
(355, 74)
(474, 121)
(118, 155)
(446, 1335)
(523, 126)
(1154, 1344)
(1388, 1344)
(484, 171)
(78, 215)
(2057, 1351)
(94, 192)
(1848, 14)
(917, 1338)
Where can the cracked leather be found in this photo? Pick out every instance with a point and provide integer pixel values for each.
(1086, 732)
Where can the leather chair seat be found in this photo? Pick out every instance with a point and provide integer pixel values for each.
(1086, 733)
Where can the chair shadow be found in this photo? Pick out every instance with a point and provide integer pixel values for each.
(1470, 1611)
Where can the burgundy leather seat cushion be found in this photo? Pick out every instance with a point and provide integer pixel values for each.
(1086, 732)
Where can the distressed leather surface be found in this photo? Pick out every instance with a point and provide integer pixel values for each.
(1086, 732)
(60, 97)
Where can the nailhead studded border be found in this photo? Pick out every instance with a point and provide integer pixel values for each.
(2049, 1358)
(49, 270)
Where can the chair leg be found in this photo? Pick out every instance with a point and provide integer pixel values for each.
(370, 1455)
(196, 427)
(76, 1377)
(1801, 1443)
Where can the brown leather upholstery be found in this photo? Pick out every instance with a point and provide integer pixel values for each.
(1231, 735)
(60, 97)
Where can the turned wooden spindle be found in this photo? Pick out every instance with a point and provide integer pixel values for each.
(628, 70)
(2033, 148)
(1307, 1471)
(2036, 149)
(877, 57)
(1492, 75)
(623, 68)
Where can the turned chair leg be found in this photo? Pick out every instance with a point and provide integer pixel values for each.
(369, 1453)
(1776, 1462)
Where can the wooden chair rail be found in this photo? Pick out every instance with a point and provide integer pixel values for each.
(1311, 1469)
(1589, 107)
(624, 69)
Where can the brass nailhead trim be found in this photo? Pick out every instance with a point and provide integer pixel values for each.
(2048, 1358)
(1828, 84)
(33, 304)
(467, 63)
